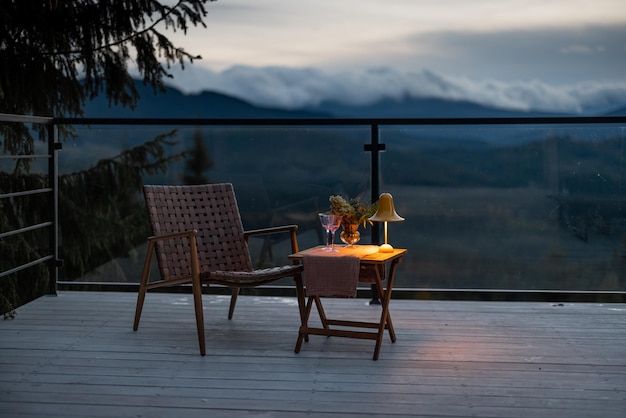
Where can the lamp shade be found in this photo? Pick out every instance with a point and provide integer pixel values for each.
(385, 211)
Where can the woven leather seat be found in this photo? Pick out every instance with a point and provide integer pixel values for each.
(198, 238)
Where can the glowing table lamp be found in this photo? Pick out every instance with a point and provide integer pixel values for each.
(385, 213)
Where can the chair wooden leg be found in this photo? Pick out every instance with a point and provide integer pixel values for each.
(233, 301)
(196, 286)
(143, 285)
(141, 296)
(197, 303)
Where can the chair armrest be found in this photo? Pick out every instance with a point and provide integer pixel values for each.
(273, 230)
(171, 235)
(270, 230)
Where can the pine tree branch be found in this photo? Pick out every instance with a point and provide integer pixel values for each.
(127, 38)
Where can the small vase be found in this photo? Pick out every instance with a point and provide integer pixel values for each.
(350, 234)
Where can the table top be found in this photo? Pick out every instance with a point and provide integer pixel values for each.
(367, 253)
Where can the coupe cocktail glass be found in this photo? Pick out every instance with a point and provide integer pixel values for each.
(325, 220)
(333, 225)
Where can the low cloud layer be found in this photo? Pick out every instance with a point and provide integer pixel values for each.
(534, 66)
(293, 88)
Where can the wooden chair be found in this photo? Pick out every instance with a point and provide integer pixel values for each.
(198, 238)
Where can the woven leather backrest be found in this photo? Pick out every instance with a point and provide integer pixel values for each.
(210, 209)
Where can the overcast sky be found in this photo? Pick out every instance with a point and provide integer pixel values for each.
(547, 54)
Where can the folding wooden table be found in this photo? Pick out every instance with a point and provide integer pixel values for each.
(375, 265)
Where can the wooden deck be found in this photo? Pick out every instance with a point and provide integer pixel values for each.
(75, 355)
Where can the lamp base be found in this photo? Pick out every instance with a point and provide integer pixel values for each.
(385, 248)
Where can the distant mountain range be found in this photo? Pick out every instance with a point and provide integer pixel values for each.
(410, 107)
(174, 104)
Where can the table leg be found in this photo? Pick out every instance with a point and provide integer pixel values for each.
(301, 300)
(303, 334)
(385, 317)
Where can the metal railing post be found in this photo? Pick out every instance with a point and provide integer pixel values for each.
(53, 183)
(375, 147)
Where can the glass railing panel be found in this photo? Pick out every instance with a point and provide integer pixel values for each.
(509, 207)
(520, 207)
(281, 175)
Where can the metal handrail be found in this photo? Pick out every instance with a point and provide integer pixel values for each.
(8, 117)
(25, 229)
(26, 193)
(27, 265)
(244, 122)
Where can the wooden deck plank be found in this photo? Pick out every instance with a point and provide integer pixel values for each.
(76, 355)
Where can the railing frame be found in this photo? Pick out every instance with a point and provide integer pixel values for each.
(52, 257)
(374, 147)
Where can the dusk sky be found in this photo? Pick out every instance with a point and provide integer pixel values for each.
(539, 54)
